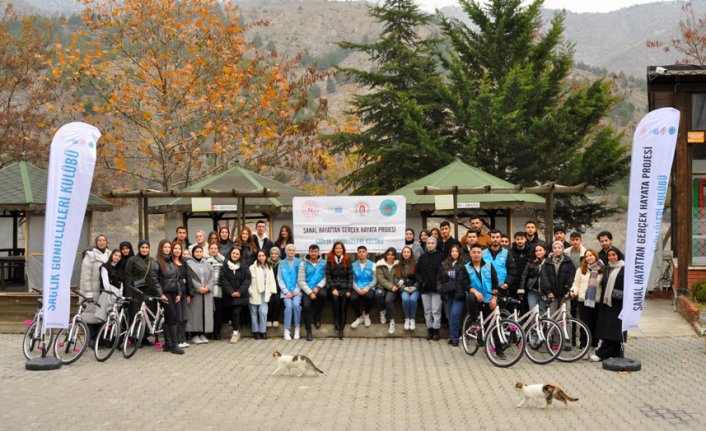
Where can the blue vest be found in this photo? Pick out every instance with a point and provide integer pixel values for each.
(364, 276)
(500, 263)
(289, 274)
(485, 284)
(314, 272)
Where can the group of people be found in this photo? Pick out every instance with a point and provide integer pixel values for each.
(216, 279)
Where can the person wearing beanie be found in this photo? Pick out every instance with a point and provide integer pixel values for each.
(560, 235)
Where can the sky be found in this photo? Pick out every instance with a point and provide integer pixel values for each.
(570, 5)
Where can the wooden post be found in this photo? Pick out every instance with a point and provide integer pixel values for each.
(140, 222)
(145, 216)
(455, 195)
(549, 212)
(682, 191)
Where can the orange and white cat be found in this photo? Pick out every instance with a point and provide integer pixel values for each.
(548, 392)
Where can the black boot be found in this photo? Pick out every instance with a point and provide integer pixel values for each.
(435, 336)
(340, 334)
(317, 320)
(263, 335)
(173, 339)
(430, 333)
(309, 337)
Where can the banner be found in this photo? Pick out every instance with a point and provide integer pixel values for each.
(377, 222)
(71, 162)
(653, 150)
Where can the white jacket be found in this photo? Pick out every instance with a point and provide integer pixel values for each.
(263, 280)
(581, 284)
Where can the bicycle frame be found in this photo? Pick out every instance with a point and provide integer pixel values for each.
(150, 317)
(529, 318)
(559, 317)
(486, 323)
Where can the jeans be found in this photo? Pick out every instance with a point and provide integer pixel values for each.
(292, 308)
(258, 316)
(390, 304)
(534, 298)
(409, 304)
(432, 309)
(454, 311)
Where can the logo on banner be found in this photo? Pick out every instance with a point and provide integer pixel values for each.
(362, 208)
(310, 209)
(388, 207)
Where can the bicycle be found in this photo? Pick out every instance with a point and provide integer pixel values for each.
(70, 343)
(571, 353)
(143, 321)
(113, 330)
(502, 339)
(34, 344)
(665, 279)
(542, 336)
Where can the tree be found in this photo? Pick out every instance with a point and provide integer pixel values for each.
(691, 43)
(516, 113)
(330, 85)
(179, 93)
(401, 137)
(27, 118)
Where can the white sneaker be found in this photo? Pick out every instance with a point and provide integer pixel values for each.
(296, 332)
(235, 337)
(287, 337)
(204, 340)
(356, 323)
(594, 358)
(391, 329)
(406, 324)
(366, 319)
(184, 345)
(196, 340)
(383, 317)
(412, 325)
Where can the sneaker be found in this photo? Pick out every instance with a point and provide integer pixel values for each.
(275, 324)
(391, 329)
(356, 323)
(412, 325)
(177, 350)
(268, 324)
(196, 340)
(594, 358)
(287, 337)
(383, 317)
(296, 332)
(204, 340)
(406, 324)
(235, 338)
(366, 319)
(184, 345)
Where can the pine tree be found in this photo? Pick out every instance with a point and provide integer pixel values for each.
(402, 135)
(516, 113)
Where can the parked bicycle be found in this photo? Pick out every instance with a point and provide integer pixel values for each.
(543, 337)
(114, 330)
(571, 353)
(37, 340)
(70, 343)
(144, 320)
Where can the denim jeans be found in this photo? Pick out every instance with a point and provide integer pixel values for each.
(454, 311)
(534, 298)
(292, 308)
(409, 304)
(258, 317)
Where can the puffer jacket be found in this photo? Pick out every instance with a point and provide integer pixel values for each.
(166, 282)
(385, 275)
(90, 284)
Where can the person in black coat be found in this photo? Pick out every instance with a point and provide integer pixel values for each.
(235, 279)
(609, 327)
(164, 280)
(339, 282)
(454, 272)
(562, 272)
(261, 241)
(427, 272)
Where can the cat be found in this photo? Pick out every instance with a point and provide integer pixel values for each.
(297, 362)
(548, 392)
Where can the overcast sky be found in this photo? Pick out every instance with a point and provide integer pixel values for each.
(571, 5)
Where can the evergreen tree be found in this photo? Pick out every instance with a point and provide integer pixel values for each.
(330, 85)
(402, 135)
(516, 113)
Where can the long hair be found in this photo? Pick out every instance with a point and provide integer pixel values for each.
(450, 260)
(250, 242)
(178, 259)
(410, 267)
(220, 229)
(257, 261)
(583, 266)
(212, 237)
(290, 236)
(332, 256)
(160, 256)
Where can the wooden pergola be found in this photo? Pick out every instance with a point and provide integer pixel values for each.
(143, 195)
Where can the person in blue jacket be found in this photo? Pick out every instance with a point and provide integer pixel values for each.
(312, 281)
(291, 293)
(364, 283)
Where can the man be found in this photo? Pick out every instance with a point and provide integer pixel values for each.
(427, 273)
(482, 296)
(505, 241)
(560, 235)
(504, 267)
(520, 255)
(471, 238)
(261, 239)
(531, 233)
(312, 281)
(477, 225)
(577, 250)
(364, 283)
(183, 239)
(605, 238)
(447, 241)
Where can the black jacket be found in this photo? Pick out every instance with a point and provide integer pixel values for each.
(166, 282)
(563, 279)
(234, 281)
(537, 277)
(427, 271)
(339, 277)
(519, 261)
(463, 282)
(444, 247)
(603, 255)
(609, 326)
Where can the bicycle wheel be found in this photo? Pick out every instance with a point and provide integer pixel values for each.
(470, 335)
(504, 344)
(32, 343)
(107, 339)
(70, 343)
(574, 353)
(544, 341)
(134, 336)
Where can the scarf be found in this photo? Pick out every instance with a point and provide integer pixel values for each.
(590, 296)
(614, 270)
(273, 263)
(338, 259)
(234, 266)
(556, 260)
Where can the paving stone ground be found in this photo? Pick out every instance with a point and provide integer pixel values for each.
(369, 384)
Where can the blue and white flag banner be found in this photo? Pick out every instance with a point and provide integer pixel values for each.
(377, 222)
(653, 150)
(71, 162)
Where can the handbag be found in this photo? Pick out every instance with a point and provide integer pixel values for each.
(446, 287)
(141, 283)
(616, 295)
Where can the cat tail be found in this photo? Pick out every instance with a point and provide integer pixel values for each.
(566, 396)
(309, 361)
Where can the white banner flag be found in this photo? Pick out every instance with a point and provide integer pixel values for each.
(71, 162)
(653, 149)
(377, 222)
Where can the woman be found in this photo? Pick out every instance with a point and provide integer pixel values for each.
(185, 289)
(290, 291)
(385, 275)
(247, 246)
(200, 240)
(586, 288)
(423, 236)
(213, 238)
(137, 277)
(436, 233)
(339, 281)
(126, 252)
(216, 260)
(111, 282)
(224, 242)
(411, 243)
(609, 327)
(535, 281)
(285, 238)
(90, 286)
(262, 287)
(164, 280)
(275, 304)
(453, 272)
(201, 307)
(406, 281)
(235, 282)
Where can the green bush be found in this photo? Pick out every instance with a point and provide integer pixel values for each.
(698, 291)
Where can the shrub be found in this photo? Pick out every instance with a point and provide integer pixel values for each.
(698, 291)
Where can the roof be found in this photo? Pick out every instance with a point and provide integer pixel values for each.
(671, 74)
(461, 175)
(237, 178)
(24, 186)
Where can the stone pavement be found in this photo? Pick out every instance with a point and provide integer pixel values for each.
(369, 384)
